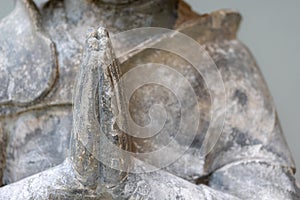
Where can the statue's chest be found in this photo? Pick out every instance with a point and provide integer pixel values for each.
(69, 53)
(36, 141)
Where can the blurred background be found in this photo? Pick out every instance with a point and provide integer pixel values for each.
(271, 29)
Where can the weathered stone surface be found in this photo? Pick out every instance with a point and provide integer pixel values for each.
(37, 142)
(250, 160)
(79, 176)
(27, 70)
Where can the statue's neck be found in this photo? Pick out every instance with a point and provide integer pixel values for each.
(120, 17)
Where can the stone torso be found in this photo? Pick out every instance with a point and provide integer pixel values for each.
(39, 73)
(46, 115)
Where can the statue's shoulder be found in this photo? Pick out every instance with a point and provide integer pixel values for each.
(251, 131)
(216, 26)
(28, 66)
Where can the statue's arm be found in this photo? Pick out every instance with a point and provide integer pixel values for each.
(251, 159)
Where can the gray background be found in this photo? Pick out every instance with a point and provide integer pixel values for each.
(271, 29)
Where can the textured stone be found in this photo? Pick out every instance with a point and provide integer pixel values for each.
(39, 60)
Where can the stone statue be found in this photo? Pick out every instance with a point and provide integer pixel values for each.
(50, 137)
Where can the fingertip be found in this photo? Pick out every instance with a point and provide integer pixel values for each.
(97, 38)
(91, 33)
(102, 32)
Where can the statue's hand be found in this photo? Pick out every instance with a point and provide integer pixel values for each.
(79, 174)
